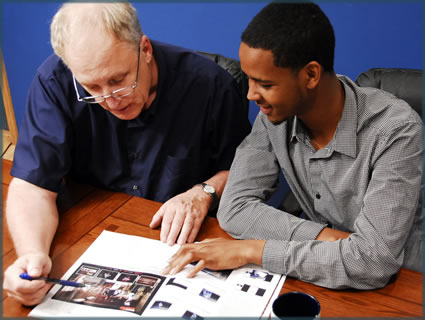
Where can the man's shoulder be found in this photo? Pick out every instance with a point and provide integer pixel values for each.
(381, 109)
(188, 61)
(53, 67)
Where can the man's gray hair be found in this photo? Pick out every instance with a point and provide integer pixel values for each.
(119, 18)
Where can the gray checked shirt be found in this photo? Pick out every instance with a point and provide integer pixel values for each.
(366, 181)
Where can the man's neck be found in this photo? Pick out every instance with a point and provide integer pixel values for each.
(328, 106)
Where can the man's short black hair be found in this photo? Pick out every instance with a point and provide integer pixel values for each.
(296, 33)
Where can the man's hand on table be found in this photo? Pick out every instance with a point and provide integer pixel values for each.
(182, 214)
(216, 254)
(28, 293)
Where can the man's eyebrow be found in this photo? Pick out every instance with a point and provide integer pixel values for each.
(111, 77)
(260, 80)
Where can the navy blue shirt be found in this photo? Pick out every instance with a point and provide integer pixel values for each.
(189, 133)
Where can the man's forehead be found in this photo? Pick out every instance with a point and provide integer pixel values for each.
(257, 63)
(99, 60)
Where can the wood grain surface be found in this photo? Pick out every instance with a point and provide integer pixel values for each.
(86, 211)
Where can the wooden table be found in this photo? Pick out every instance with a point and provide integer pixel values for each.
(85, 212)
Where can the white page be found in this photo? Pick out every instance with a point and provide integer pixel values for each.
(122, 277)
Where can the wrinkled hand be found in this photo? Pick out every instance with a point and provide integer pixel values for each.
(216, 254)
(182, 214)
(28, 293)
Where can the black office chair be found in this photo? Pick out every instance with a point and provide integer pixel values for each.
(234, 68)
(405, 84)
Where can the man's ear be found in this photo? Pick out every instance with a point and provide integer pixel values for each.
(146, 48)
(313, 73)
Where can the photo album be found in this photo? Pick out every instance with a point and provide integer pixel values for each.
(119, 276)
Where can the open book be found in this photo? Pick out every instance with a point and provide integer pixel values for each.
(122, 278)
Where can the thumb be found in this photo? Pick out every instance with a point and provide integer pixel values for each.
(157, 218)
(38, 265)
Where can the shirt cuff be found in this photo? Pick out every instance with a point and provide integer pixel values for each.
(274, 254)
(307, 230)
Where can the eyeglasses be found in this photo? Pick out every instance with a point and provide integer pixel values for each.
(118, 94)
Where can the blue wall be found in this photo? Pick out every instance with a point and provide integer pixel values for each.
(378, 34)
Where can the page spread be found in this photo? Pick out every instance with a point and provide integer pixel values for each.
(121, 277)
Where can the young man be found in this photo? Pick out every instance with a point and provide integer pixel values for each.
(119, 111)
(352, 157)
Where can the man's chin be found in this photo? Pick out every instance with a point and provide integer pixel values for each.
(275, 121)
(127, 115)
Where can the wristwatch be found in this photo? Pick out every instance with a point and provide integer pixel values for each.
(211, 191)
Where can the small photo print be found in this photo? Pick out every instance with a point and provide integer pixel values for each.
(209, 295)
(260, 292)
(88, 271)
(147, 281)
(107, 274)
(261, 275)
(162, 305)
(124, 277)
(219, 274)
(191, 315)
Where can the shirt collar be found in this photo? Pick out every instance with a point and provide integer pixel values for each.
(297, 132)
(346, 131)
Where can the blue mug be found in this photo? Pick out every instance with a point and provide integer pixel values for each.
(296, 304)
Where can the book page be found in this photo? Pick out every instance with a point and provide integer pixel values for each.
(121, 277)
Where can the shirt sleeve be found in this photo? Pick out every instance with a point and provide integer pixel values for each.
(365, 260)
(42, 154)
(253, 178)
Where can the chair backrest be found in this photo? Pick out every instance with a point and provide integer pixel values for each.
(405, 84)
(234, 68)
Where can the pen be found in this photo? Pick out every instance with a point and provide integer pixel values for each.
(57, 281)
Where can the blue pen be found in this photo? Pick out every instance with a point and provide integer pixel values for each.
(57, 281)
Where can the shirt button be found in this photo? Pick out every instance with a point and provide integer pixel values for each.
(135, 187)
(318, 196)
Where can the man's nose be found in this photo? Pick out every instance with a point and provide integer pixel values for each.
(252, 94)
(112, 102)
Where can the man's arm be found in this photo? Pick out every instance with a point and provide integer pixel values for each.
(227, 126)
(222, 254)
(182, 215)
(32, 219)
(379, 233)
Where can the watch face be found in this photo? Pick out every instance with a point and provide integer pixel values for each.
(209, 189)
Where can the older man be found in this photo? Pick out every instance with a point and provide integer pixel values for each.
(119, 111)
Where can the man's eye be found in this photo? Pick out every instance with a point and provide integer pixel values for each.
(266, 86)
(93, 88)
(115, 81)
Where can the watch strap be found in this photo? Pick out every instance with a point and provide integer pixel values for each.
(212, 194)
